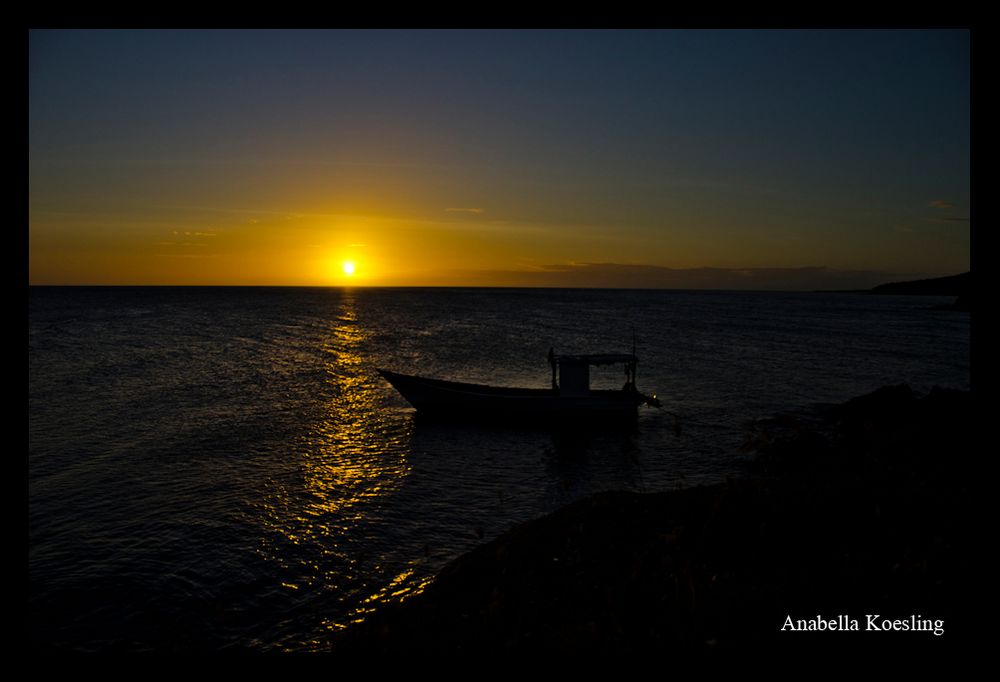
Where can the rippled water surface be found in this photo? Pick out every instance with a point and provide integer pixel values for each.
(216, 468)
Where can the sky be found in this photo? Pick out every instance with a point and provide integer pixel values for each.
(678, 158)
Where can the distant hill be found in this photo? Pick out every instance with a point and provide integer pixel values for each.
(955, 285)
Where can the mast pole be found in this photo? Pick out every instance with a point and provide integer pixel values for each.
(635, 363)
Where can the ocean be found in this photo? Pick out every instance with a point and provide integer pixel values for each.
(223, 469)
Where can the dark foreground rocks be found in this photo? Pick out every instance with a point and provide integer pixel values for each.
(869, 511)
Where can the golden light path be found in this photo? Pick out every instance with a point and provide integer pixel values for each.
(351, 459)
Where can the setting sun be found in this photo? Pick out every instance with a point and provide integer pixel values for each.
(348, 267)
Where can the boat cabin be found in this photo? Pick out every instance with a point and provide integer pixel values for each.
(574, 371)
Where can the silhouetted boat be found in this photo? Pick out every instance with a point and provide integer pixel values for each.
(571, 396)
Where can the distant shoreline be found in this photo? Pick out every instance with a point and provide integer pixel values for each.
(954, 285)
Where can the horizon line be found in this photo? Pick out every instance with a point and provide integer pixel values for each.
(446, 286)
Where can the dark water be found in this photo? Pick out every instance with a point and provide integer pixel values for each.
(223, 468)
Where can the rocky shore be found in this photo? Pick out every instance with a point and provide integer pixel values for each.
(866, 510)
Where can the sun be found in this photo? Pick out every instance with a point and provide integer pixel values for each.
(348, 267)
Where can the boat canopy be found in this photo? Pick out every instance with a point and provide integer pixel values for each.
(597, 359)
(574, 370)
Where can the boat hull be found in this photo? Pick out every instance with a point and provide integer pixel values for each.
(454, 399)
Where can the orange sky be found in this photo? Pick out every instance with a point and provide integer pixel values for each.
(496, 158)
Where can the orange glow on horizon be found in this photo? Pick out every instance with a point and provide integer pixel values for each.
(320, 247)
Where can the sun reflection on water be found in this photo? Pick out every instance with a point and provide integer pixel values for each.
(353, 457)
(400, 588)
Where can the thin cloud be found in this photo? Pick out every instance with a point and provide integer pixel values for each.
(947, 220)
(186, 255)
(465, 210)
(941, 203)
(631, 275)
